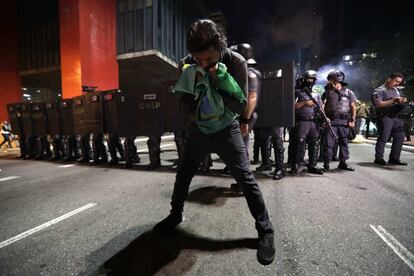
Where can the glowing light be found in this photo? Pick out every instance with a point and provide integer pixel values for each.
(347, 58)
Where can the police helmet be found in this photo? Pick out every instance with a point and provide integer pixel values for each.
(246, 51)
(336, 76)
(310, 74)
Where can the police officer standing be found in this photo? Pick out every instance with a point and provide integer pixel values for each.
(340, 108)
(306, 127)
(384, 98)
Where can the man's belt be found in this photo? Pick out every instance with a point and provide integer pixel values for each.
(339, 116)
(304, 118)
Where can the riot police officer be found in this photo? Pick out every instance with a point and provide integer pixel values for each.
(388, 122)
(114, 145)
(340, 108)
(131, 154)
(154, 151)
(306, 127)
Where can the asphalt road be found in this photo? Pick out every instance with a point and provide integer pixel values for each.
(341, 223)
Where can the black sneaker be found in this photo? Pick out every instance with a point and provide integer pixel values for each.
(169, 223)
(397, 162)
(380, 162)
(326, 166)
(266, 249)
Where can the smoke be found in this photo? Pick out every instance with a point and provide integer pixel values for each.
(357, 77)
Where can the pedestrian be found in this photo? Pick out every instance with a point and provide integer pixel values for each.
(213, 86)
(361, 117)
(7, 134)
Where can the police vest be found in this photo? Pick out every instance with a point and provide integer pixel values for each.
(338, 103)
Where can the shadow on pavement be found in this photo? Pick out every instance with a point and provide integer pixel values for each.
(151, 252)
(212, 195)
(372, 165)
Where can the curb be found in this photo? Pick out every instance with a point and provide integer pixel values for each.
(388, 145)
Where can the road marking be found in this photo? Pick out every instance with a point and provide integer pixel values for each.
(162, 146)
(66, 166)
(8, 178)
(145, 139)
(395, 245)
(45, 225)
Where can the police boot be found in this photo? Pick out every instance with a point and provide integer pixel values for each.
(256, 150)
(313, 150)
(155, 162)
(335, 152)
(266, 165)
(326, 166)
(279, 171)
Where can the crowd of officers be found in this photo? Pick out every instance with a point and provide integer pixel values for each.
(323, 126)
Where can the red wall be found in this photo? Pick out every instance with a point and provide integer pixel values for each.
(88, 45)
(10, 81)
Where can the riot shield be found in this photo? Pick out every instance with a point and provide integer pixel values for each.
(120, 113)
(53, 118)
(79, 115)
(66, 107)
(276, 98)
(149, 113)
(174, 117)
(26, 118)
(15, 119)
(94, 112)
(39, 123)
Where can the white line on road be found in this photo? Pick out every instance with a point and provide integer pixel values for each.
(66, 166)
(8, 178)
(395, 245)
(162, 146)
(44, 225)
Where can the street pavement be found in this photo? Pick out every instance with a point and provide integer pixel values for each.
(70, 219)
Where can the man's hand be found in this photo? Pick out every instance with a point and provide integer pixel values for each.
(212, 69)
(351, 124)
(244, 128)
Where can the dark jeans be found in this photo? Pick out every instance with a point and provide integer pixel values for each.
(6, 140)
(229, 145)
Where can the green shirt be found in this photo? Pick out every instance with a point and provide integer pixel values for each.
(211, 114)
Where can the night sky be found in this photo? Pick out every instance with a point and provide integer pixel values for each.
(278, 28)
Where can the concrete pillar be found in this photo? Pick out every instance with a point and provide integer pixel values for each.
(10, 80)
(87, 45)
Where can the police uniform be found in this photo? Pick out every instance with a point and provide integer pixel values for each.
(338, 110)
(306, 130)
(389, 124)
(99, 149)
(131, 154)
(154, 151)
(254, 78)
(114, 146)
